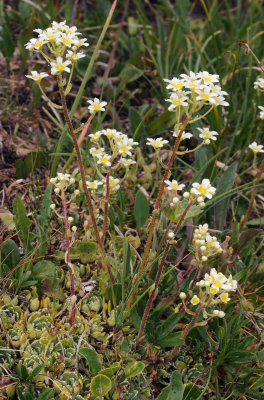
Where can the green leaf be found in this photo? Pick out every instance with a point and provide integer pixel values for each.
(92, 360)
(46, 395)
(100, 385)
(192, 392)
(225, 183)
(141, 209)
(245, 237)
(165, 327)
(22, 223)
(10, 254)
(111, 370)
(175, 389)
(172, 340)
(134, 368)
(45, 206)
(43, 269)
(114, 293)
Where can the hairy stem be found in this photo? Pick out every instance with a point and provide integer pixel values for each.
(68, 261)
(155, 213)
(252, 199)
(88, 199)
(157, 279)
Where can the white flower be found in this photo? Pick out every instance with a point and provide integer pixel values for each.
(81, 42)
(35, 44)
(49, 34)
(156, 143)
(94, 184)
(61, 26)
(60, 66)
(224, 297)
(96, 152)
(221, 314)
(195, 300)
(203, 189)
(68, 39)
(95, 136)
(110, 133)
(256, 148)
(124, 148)
(96, 105)
(37, 76)
(207, 135)
(259, 83)
(177, 100)
(126, 162)
(261, 114)
(104, 159)
(175, 84)
(206, 94)
(114, 183)
(70, 55)
(208, 78)
(185, 135)
(174, 185)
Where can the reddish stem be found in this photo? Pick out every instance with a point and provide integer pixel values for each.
(158, 276)
(63, 197)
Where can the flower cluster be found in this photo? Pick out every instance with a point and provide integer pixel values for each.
(205, 245)
(59, 45)
(214, 289)
(200, 191)
(121, 151)
(62, 182)
(196, 90)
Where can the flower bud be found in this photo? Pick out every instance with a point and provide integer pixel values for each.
(52, 206)
(182, 295)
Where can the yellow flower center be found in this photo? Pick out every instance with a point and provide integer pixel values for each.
(202, 190)
(104, 159)
(178, 85)
(176, 102)
(205, 96)
(214, 290)
(67, 41)
(96, 107)
(224, 297)
(123, 148)
(60, 67)
(195, 301)
(217, 283)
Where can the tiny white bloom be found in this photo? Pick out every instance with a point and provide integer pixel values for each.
(60, 66)
(203, 189)
(70, 55)
(156, 143)
(195, 300)
(126, 162)
(207, 135)
(96, 105)
(104, 159)
(261, 114)
(93, 184)
(37, 76)
(185, 135)
(114, 183)
(256, 148)
(174, 185)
